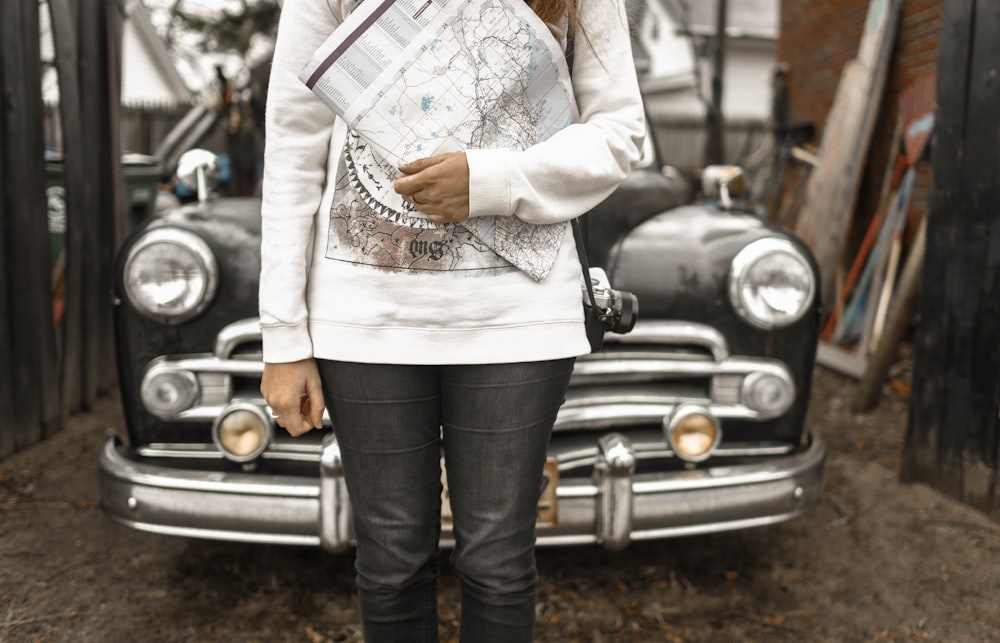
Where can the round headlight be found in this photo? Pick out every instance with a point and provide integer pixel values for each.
(242, 432)
(769, 394)
(771, 284)
(166, 391)
(170, 275)
(692, 432)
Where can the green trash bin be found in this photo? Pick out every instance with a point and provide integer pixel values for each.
(141, 181)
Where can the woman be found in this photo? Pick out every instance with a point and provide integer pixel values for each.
(422, 338)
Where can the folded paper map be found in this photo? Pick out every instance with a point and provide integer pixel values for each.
(414, 78)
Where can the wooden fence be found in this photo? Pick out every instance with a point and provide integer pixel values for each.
(42, 380)
(28, 379)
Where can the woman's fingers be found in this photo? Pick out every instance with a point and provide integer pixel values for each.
(312, 405)
(295, 396)
(438, 186)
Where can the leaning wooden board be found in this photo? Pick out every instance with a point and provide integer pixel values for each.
(833, 186)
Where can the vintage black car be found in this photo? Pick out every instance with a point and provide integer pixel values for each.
(691, 423)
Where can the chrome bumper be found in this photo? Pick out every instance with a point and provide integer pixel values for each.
(612, 508)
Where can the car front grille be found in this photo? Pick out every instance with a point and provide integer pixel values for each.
(632, 386)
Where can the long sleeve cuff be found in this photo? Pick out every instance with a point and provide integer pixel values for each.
(284, 343)
(489, 186)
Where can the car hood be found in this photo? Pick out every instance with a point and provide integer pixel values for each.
(678, 262)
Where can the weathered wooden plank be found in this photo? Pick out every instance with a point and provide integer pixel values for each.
(846, 362)
(897, 320)
(112, 230)
(953, 428)
(31, 349)
(6, 383)
(972, 287)
(94, 135)
(831, 193)
(64, 31)
(6, 395)
(115, 28)
(42, 348)
(920, 459)
(99, 214)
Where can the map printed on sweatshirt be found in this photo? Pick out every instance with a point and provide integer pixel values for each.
(416, 78)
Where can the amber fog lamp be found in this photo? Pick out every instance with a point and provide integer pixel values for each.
(692, 433)
(242, 432)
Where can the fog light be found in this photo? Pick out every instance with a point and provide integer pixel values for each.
(692, 432)
(242, 432)
(167, 391)
(768, 393)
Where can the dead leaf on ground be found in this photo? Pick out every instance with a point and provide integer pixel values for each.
(901, 388)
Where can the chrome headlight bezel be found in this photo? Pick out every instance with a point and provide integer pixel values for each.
(201, 258)
(741, 269)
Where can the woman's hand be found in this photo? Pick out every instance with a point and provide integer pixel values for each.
(295, 396)
(438, 186)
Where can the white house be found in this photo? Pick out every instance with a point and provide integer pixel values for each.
(149, 77)
(673, 57)
(148, 73)
(153, 93)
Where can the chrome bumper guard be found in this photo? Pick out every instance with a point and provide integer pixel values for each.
(612, 508)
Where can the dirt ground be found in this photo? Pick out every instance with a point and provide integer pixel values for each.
(877, 561)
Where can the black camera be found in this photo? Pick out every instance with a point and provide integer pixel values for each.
(617, 309)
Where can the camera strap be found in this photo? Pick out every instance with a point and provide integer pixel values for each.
(584, 264)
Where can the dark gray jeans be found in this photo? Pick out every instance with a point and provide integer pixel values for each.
(494, 423)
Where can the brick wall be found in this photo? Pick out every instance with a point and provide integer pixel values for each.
(816, 39)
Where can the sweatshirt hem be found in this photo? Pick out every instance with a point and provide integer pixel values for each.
(494, 345)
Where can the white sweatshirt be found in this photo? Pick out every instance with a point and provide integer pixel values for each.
(339, 281)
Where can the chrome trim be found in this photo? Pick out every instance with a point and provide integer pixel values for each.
(723, 372)
(276, 451)
(722, 183)
(576, 412)
(673, 332)
(582, 416)
(290, 510)
(231, 336)
(189, 242)
(568, 459)
(613, 363)
(336, 531)
(751, 254)
(613, 474)
(212, 364)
